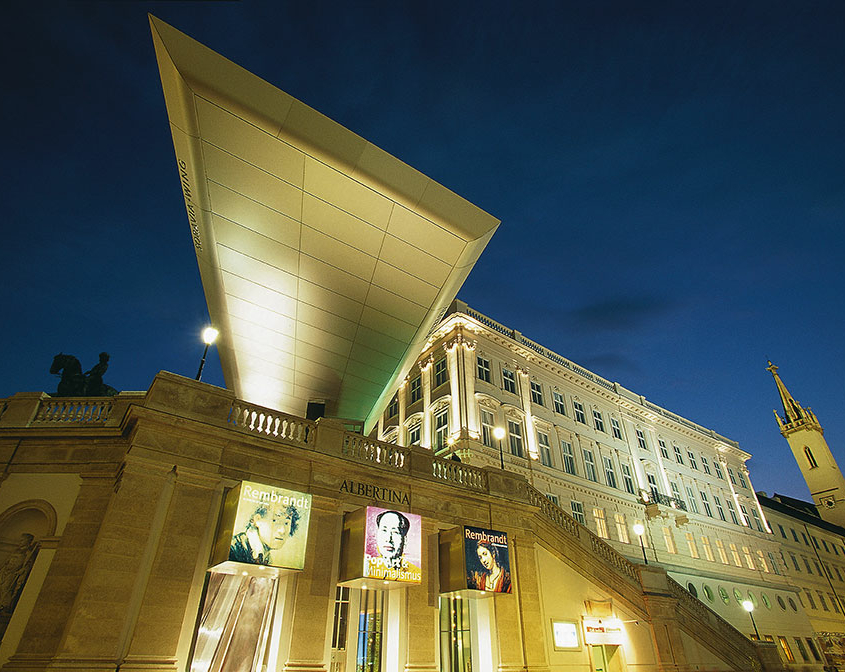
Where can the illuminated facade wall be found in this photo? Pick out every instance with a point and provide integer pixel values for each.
(147, 492)
(606, 456)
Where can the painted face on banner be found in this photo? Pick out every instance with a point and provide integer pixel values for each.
(274, 528)
(392, 545)
(390, 537)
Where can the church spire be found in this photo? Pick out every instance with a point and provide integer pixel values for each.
(794, 414)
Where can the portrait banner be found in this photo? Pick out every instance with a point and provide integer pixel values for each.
(392, 545)
(487, 560)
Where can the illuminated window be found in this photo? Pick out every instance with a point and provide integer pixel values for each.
(708, 550)
(416, 389)
(578, 511)
(455, 635)
(628, 479)
(735, 555)
(536, 393)
(568, 458)
(590, 465)
(641, 440)
(669, 540)
(482, 369)
(810, 459)
(341, 618)
(609, 473)
(720, 548)
(762, 560)
(601, 523)
(693, 549)
(678, 457)
(705, 465)
(545, 449)
(508, 381)
(615, 428)
(598, 421)
(663, 451)
(749, 561)
(621, 527)
(705, 503)
(370, 620)
(515, 438)
(441, 429)
(487, 421)
(560, 405)
(784, 646)
(441, 375)
(579, 412)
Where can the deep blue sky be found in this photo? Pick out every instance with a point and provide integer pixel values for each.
(669, 176)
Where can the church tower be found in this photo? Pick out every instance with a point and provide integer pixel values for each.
(805, 436)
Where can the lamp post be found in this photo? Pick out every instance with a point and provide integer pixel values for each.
(748, 605)
(499, 433)
(639, 530)
(209, 335)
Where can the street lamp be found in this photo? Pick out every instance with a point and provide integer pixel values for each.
(209, 335)
(499, 433)
(639, 530)
(748, 605)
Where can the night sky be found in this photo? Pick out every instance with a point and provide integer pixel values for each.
(669, 178)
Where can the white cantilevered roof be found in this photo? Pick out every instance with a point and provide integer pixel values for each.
(325, 261)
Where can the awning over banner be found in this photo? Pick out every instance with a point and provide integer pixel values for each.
(325, 261)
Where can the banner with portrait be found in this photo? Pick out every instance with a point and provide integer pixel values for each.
(486, 560)
(264, 526)
(392, 545)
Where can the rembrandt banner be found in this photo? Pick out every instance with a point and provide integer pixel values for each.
(381, 544)
(474, 558)
(263, 525)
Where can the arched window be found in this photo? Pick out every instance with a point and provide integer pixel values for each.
(810, 458)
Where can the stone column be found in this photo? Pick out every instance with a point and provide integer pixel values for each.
(312, 603)
(425, 374)
(454, 353)
(401, 394)
(525, 395)
(473, 424)
(421, 608)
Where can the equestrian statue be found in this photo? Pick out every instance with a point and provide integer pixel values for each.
(74, 383)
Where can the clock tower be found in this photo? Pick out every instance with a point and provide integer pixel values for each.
(805, 436)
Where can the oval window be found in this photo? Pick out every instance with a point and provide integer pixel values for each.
(691, 589)
(753, 598)
(781, 603)
(792, 604)
(724, 595)
(708, 592)
(737, 596)
(765, 599)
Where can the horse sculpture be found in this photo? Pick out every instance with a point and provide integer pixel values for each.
(74, 383)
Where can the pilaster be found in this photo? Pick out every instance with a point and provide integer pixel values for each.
(421, 608)
(425, 375)
(525, 395)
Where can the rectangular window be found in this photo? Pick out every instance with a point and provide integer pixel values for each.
(553, 498)
(773, 561)
(708, 550)
(802, 649)
(691, 458)
(794, 536)
(601, 523)
(718, 469)
(762, 560)
(598, 421)
(806, 541)
(784, 646)
(455, 636)
(609, 471)
(414, 435)
(487, 426)
(441, 375)
(705, 465)
(833, 602)
(393, 408)
(652, 484)
(669, 540)
(693, 504)
(838, 575)
(641, 440)
(416, 389)
(705, 503)
(579, 412)
(590, 465)
(822, 600)
(782, 531)
(732, 511)
(742, 481)
(693, 549)
(615, 428)
(441, 429)
(678, 457)
(812, 646)
(745, 517)
(515, 438)
(545, 449)
(508, 381)
(482, 369)
(815, 542)
(560, 405)
(735, 555)
(719, 509)
(664, 452)
(732, 475)
(536, 393)
(628, 479)
(621, 527)
(794, 562)
(676, 493)
(749, 561)
(578, 511)
(720, 548)
(757, 522)
(824, 543)
(644, 536)
(811, 600)
(568, 458)
(807, 565)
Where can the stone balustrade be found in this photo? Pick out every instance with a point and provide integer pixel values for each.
(269, 423)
